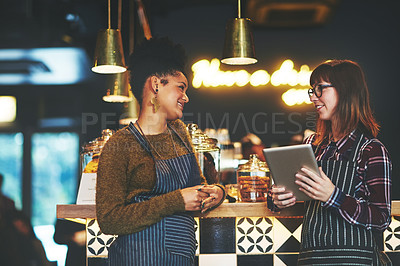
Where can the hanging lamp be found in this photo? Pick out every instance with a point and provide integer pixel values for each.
(109, 54)
(130, 112)
(118, 88)
(239, 43)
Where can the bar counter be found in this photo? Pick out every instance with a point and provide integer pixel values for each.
(257, 209)
(233, 234)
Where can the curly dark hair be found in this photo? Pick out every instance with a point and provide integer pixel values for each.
(155, 57)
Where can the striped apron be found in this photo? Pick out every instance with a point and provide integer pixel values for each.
(172, 240)
(328, 239)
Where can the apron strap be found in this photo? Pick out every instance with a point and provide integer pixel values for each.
(142, 141)
(354, 149)
(184, 143)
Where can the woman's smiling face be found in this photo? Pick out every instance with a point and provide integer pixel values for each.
(327, 103)
(172, 95)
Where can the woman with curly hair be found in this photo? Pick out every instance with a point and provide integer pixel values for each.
(148, 177)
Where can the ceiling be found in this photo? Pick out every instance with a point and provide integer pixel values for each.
(38, 23)
(75, 23)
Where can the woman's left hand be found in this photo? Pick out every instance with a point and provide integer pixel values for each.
(317, 187)
(215, 196)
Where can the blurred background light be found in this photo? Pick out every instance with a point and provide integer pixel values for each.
(8, 108)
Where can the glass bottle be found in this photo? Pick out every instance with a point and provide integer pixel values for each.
(207, 152)
(90, 154)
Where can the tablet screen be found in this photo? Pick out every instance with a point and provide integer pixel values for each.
(285, 162)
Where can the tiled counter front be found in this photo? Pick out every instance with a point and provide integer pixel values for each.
(226, 239)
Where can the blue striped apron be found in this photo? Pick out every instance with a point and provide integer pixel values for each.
(172, 240)
(326, 238)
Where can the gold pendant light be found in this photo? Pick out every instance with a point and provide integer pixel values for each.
(118, 88)
(239, 43)
(109, 54)
(131, 112)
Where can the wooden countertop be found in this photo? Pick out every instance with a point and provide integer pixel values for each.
(258, 209)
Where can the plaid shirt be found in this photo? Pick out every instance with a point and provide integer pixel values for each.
(371, 207)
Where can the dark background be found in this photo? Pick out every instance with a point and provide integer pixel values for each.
(363, 31)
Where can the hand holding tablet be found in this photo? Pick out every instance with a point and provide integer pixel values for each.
(317, 186)
(285, 162)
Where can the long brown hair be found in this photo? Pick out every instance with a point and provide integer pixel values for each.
(353, 110)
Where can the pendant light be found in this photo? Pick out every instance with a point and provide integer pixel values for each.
(118, 88)
(109, 54)
(130, 113)
(239, 44)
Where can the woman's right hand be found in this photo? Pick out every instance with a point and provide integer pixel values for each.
(282, 198)
(193, 197)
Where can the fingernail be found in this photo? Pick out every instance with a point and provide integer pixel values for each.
(199, 189)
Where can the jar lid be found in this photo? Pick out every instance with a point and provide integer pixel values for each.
(96, 145)
(201, 141)
(254, 164)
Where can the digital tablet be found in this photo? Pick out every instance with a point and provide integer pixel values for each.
(285, 162)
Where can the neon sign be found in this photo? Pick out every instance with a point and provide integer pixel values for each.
(207, 74)
(296, 97)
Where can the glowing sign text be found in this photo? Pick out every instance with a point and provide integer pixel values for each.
(296, 97)
(208, 74)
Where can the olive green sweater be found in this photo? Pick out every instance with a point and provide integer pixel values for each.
(126, 169)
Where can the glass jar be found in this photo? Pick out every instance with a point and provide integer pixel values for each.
(207, 152)
(89, 157)
(254, 180)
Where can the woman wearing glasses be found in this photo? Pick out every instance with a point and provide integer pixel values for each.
(351, 195)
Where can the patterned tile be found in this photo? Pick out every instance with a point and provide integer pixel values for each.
(285, 259)
(256, 241)
(391, 235)
(97, 242)
(287, 234)
(217, 235)
(253, 235)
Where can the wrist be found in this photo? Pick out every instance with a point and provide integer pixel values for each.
(335, 200)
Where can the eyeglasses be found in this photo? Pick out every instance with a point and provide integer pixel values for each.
(318, 90)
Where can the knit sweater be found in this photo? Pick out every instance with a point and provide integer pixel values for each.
(127, 169)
